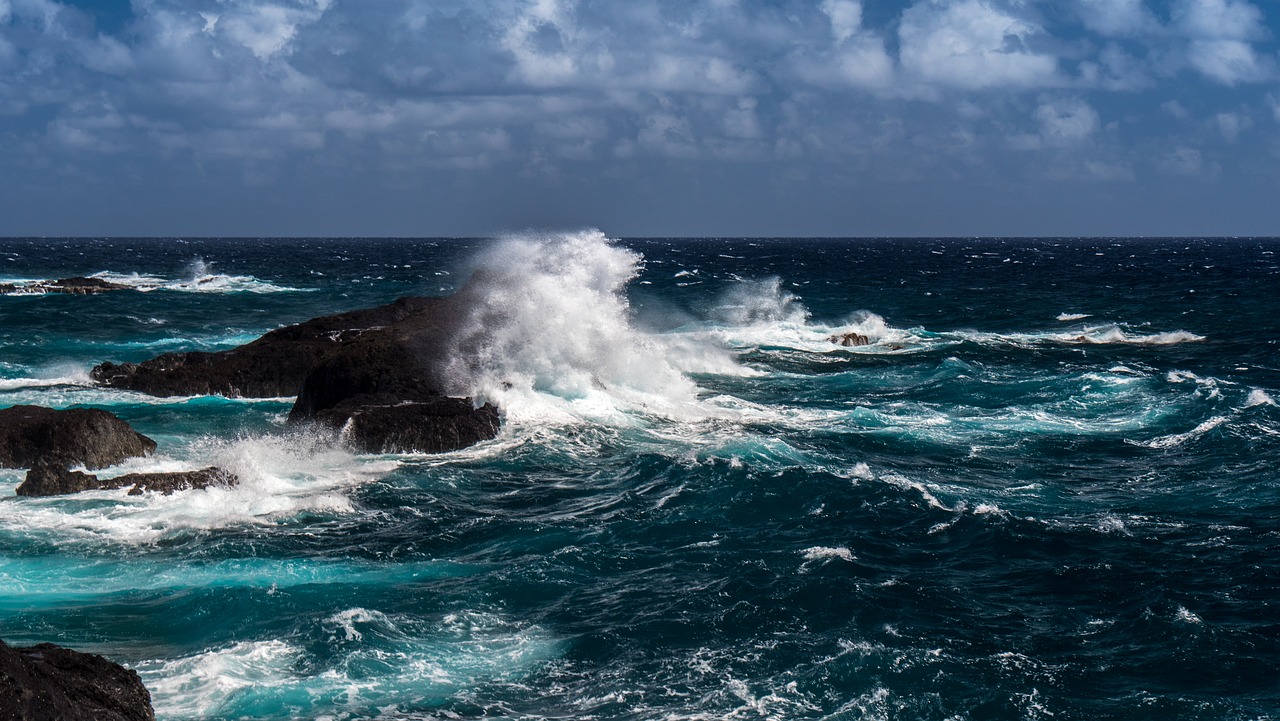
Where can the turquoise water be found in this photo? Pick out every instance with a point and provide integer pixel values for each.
(1048, 488)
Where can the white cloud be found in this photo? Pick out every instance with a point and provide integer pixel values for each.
(1229, 62)
(1066, 122)
(1117, 18)
(1231, 125)
(1218, 19)
(1176, 109)
(973, 45)
(845, 17)
(1183, 161)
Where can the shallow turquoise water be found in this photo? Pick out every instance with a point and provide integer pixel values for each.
(1046, 489)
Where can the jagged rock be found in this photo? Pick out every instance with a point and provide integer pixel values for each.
(70, 286)
(48, 479)
(433, 426)
(50, 683)
(51, 480)
(849, 339)
(272, 366)
(375, 373)
(89, 437)
(383, 391)
(167, 483)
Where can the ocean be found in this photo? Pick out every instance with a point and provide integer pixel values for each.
(1048, 487)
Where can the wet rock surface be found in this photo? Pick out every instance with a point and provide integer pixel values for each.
(89, 437)
(272, 366)
(50, 480)
(373, 375)
(51, 683)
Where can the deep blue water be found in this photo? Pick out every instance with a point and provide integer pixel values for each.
(1048, 489)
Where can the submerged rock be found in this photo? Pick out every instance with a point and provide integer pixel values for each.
(50, 480)
(269, 367)
(89, 437)
(51, 683)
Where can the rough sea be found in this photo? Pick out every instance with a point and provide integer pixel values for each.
(1048, 487)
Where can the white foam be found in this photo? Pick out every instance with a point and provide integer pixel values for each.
(1066, 317)
(821, 553)
(1259, 397)
(549, 336)
(417, 663)
(200, 278)
(280, 477)
(1110, 334)
(1177, 439)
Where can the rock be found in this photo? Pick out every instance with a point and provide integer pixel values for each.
(434, 426)
(167, 483)
(50, 683)
(270, 367)
(89, 437)
(47, 479)
(50, 480)
(375, 374)
(69, 286)
(849, 339)
(383, 391)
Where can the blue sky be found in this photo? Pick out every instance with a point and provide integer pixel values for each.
(643, 117)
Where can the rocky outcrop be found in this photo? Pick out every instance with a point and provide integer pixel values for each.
(69, 286)
(374, 375)
(50, 683)
(52, 480)
(382, 391)
(272, 366)
(89, 437)
(849, 339)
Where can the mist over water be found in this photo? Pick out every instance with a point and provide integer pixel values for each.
(1045, 487)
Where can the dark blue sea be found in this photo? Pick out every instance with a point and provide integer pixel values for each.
(1047, 488)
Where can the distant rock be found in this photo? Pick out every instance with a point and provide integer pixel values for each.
(849, 339)
(89, 437)
(50, 683)
(69, 286)
(51, 480)
(270, 367)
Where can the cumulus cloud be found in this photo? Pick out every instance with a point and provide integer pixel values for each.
(1117, 18)
(973, 45)
(497, 89)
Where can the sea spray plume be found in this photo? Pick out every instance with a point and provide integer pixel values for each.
(756, 302)
(548, 314)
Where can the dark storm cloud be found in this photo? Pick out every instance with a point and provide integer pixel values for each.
(831, 116)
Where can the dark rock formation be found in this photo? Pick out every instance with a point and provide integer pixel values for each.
(52, 480)
(168, 483)
(372, 374)
(50, 683)
(272, 366)
(382, 390)
(70, 286)
(432, 426)
(849, 339)
(33, 435)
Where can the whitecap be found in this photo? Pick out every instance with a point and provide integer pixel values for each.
(1065, 317)
(820, 553)
(1259, 397)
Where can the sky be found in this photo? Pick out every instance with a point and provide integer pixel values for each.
(640, 117)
